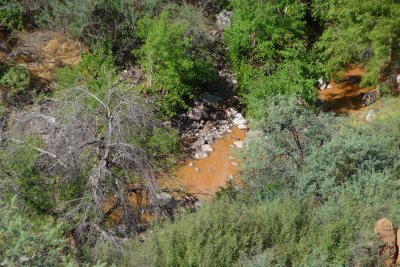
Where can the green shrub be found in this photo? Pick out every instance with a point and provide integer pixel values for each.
(358, 32)
(286, 231)
(11, 14)
(273, 163)
(16, 80)
(21, 176)
(268, 51)
(173, 67)
(30, 242)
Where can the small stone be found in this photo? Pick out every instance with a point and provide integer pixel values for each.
(229, 131)
(200, 155)
(239, 121)
(322, 84)
(190, 164)
(230, 177)
(165, 199)
(239, 144)
(234, 163)
(242, 126)
(196, 169)
(231, 112)
(207, 148)
(198, 204)
(239, 116)
(370, 115)
(330, 86)
(230, 157)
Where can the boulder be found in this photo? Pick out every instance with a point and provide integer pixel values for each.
(398, 79)
(207, 148)
(242, 127)
(224, 19)
(384, 228)
(231, 112)
(195, 114)
(239, 119)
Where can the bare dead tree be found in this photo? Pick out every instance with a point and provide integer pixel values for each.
(98, 142)
(95, 140)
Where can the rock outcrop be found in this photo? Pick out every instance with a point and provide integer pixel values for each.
(384, 228)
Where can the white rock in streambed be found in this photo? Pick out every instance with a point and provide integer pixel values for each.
(207, 148)
(200, 155)
(239, 119)
(242, 127)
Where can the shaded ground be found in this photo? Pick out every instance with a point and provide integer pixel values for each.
(345, 97)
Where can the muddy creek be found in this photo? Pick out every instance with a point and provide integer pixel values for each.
(204, 177)
(345, 97)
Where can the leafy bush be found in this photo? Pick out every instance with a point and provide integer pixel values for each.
(27, 242)
(286, 231)
(11, 14)
(268, 51)
(291, 133)
(16, 79)
(173, 67)
(358, 32)
(21, 176)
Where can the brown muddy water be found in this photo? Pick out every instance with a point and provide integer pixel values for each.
(345, 97)
(204, 177)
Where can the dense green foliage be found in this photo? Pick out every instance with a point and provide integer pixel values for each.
(268, 51)
(27, 242)
(11, 14)
(364, 32)
(174, 57)
(314, 183)
(16, 81)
